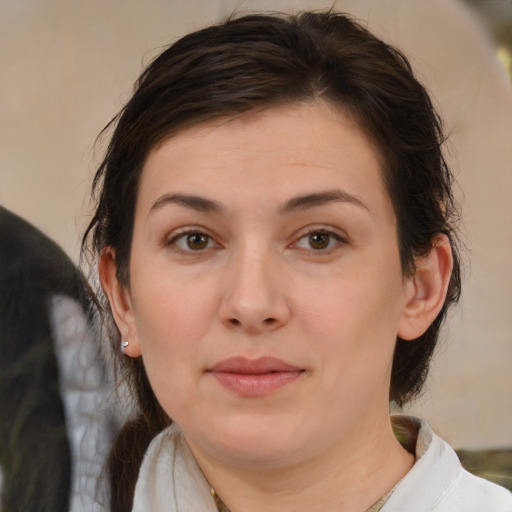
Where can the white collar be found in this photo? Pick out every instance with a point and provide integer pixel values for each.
(170, 479)
(436, 470)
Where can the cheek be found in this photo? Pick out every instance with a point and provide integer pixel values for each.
(167, 331)
(354, 318)
(170, 307)
(354, 302)
(171, 318)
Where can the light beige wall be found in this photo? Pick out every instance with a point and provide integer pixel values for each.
(67, 67)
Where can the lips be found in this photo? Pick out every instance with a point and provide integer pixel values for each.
(254, 377)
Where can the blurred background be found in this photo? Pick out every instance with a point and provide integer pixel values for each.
(68, 67)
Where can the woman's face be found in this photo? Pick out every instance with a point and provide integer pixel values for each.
(266, 291)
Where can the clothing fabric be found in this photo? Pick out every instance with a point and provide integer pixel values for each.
(171, 481)
(438, 483)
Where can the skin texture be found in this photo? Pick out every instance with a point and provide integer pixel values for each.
(269, 271)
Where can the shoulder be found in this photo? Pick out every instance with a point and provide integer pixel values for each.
(169, 478)
(438, 483)
(473, 494)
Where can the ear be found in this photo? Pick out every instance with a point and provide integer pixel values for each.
(426, 290)
(120, 301)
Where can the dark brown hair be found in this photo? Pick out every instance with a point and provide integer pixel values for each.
(257, 62)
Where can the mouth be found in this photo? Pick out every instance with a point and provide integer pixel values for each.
(254, 377)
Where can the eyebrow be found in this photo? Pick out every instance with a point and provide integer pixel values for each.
(320, 198)
(303, 202)
(198, 203)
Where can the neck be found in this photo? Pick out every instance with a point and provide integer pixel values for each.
(351, 476)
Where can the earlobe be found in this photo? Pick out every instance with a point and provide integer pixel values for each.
(426, 290)
(120, 301)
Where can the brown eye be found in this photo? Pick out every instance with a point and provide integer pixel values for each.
(192, 241)
(197, 241)
(319, 241)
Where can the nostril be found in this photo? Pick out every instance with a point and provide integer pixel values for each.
(267, 321)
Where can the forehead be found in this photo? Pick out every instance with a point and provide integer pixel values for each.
(266, 155)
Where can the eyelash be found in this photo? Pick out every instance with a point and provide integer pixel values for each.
(173, 242)
(334, 240)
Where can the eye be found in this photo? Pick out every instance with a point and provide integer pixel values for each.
(192, 241)
(319, 240)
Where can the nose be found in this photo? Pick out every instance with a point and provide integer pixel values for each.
(255, 298)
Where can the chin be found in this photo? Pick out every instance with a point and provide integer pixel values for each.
(257, 442)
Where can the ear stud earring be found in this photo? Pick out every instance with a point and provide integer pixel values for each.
(124, 344)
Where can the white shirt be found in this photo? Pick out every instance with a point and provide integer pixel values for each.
(171, 481)
(438, 483)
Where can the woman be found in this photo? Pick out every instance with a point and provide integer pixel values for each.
(275, 231)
